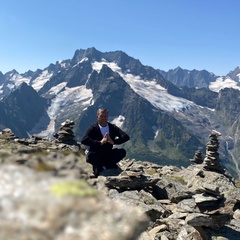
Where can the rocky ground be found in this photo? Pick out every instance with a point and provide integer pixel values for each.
(46, 193)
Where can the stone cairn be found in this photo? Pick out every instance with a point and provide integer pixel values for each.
(8, 134)
(197, 158)
(211, 161)
(65, 133)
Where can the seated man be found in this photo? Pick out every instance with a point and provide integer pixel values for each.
(100, 137)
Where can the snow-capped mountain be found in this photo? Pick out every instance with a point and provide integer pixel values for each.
(203, 79)
(168, 115)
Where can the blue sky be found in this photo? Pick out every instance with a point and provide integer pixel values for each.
(164, 34)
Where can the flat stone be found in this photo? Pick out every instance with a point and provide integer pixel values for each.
(199, 198)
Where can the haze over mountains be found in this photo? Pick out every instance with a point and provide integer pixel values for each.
(168, 115)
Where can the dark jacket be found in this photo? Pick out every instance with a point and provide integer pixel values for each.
(93, 136)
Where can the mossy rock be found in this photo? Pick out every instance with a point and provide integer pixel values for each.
(76, 188)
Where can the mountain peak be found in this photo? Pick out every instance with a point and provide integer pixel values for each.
(11, 73)
(88, 53)
(178, 68)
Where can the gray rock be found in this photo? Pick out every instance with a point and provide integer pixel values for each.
(35, 204)
(200, 219)
(43, 197)
(173, 188)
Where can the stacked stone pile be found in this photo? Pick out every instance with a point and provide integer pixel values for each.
(197, 158)
(211, 161)
(65, 133)
(35, 143)
(8, 134)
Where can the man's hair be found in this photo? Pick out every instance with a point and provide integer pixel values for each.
(102, 110)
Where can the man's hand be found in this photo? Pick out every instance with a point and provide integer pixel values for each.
(106, 138)
(109, 139)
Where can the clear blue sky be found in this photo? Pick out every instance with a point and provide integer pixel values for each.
(164, 34)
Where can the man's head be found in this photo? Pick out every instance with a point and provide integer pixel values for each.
(102, 116)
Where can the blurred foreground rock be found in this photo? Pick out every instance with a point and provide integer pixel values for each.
(36, 205)
(46, 194)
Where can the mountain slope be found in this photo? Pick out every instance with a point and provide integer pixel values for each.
(165, 122)
(22, 109)
(191, 79)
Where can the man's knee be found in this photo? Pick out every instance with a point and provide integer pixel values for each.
(122, 152)
(91, 157)
(119, 154)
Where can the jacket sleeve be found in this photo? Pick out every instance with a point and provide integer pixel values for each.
(120, 136)
(90, 139)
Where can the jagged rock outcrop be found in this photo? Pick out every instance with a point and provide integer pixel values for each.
(47, 193)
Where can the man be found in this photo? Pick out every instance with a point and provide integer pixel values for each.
(100, 137)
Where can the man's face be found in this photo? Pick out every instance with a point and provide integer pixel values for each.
(102, 118)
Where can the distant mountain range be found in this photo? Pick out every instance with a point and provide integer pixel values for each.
(168, 115)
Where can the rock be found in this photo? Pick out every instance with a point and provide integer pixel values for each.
(7, 134)
(197, 158)
(153, 232)
(46, 191)
(236, 214)
(65, 133)
(200, 198)
(211, 161)
(130, 182)
(187, 205)
(173, 188)
(199, 220)
(189, 232)
(34, 204)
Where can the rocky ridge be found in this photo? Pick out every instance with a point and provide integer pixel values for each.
(46, 193)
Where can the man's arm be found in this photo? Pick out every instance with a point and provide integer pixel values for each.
(90, 138)
(121, 136)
